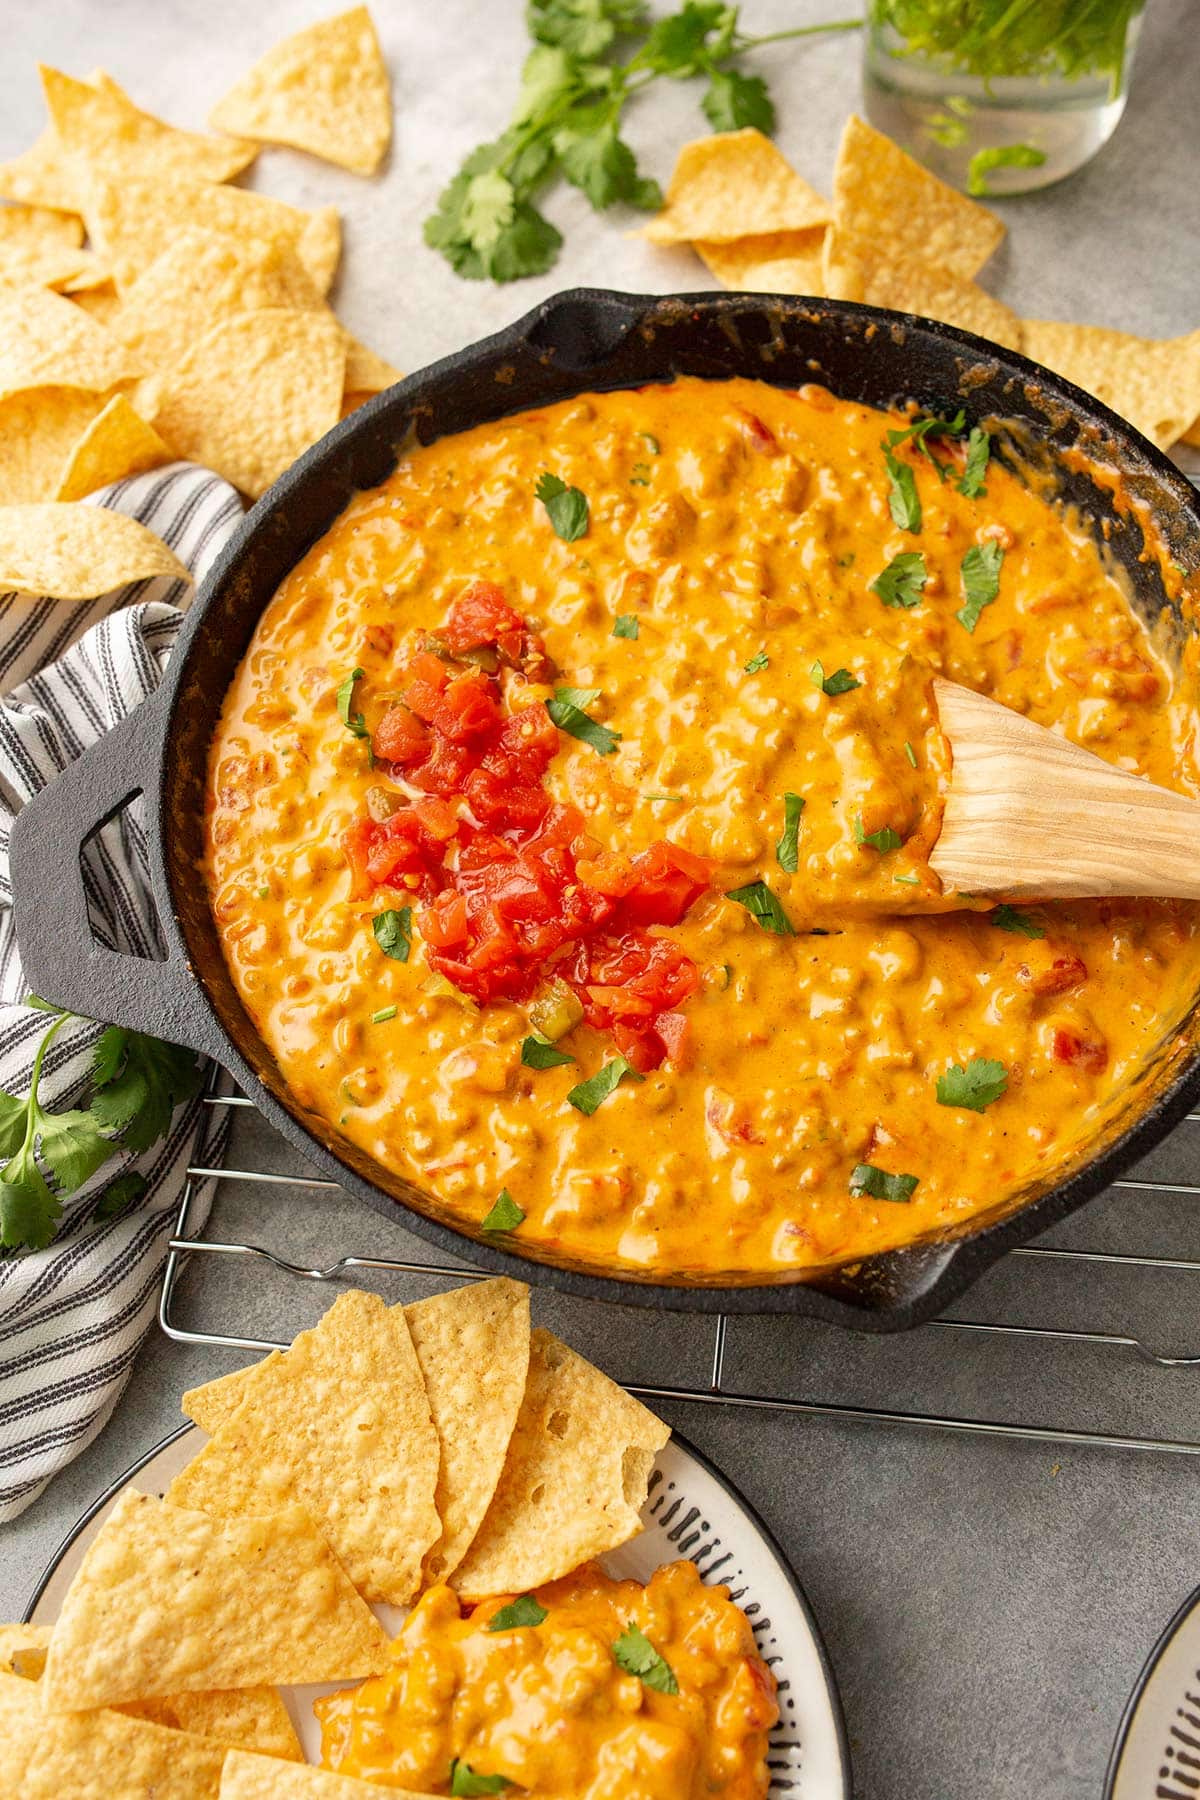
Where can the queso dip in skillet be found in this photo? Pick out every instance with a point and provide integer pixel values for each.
(566, 837)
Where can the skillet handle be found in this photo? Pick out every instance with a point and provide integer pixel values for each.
(61, 959)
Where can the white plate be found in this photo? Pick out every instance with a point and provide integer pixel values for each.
(691, 1511)
(1158, 1744)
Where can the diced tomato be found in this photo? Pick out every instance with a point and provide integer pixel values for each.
(1058, 977)
(467, 710)
(760, 435)
(531, 734)
(445, 922)
(1080, 1052)
(400, 737)
(505, 804)
(481, 616)
(439, 819)
(609, 873)
(675, 1030)
(667, 879)
(357, 842)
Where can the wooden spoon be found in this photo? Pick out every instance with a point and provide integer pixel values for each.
(1031, 816)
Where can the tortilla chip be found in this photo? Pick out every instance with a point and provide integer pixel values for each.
(778, 262)
(255, 392)
(100, 303)
(732, 185)
(201, 277)
(94, 273)
(39, 430)
(856, 270)
(39, 247)
(99, 1755)
(324, 89)
(117, 443)
(23, 1650)
(881, 193)
(1152, 382)
(46, 341)
(574, 1481)
(97, 126)
(253, 1718)
(134, 220)
(341, 1423)
(168, 1601)
(352, 401)
(77, 552)
(39, 177)
(367, 373)
(473, 1347)
(258, 1778)
(1193, 436)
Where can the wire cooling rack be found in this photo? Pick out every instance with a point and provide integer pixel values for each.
(717, 1391)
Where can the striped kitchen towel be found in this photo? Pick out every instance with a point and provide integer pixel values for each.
(72, 1316)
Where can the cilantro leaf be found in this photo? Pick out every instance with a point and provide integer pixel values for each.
(924, 427)
(733, 101)
(74, 1148)
(840, 682)
(393, 932)
(590, 1094)
(1000, 156)
(464, 1781)
(566, 507)
(981, 581)
(487, 207)
(759, 661)
(901, 583)
(910, 754)
(29, 1212)
(142, 1083)
(605, 168)
(1009, 918)
(528, 245)
(764, 907)
(787, 850)
(974, 1087)
(634, 1653)
(679, 44)
(867, 1179)
(583, 28)
(882, 840)
(354, 722)
(524, 1610)
(13, 1114)
(625, 625)
(540, 1053)
(904, 502)
(505, 1215)
(979, 449)
(567, 711)
(121, 1194)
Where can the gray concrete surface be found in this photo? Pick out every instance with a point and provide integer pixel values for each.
(987, 1603)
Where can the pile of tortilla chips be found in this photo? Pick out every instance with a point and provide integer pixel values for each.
(390, 1448)
(150, 311)
(897, 237)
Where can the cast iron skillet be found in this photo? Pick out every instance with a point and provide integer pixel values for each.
(579, 341)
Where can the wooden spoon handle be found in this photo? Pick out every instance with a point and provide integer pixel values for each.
(1032, 816)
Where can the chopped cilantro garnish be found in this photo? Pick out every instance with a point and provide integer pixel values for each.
(908, 880)
(840, 682)
(883, 840)
(634, 1653)
(979, 449)
(354, 722)
(901, 582)
(787, 850)
(763, 906)
(566, 507)
(980, 580)
(667, 799)
(904, 502)
(974, 1087)
(867, 1179)
(505, 1215)
(1008, 918)
(539, 1053)
(760, 660)
(524, 1610)
(393, 932)
(567, 711)
(625, 625)
(383, 1015)
(651, 442)
(465, 1782)
(1000, 156)
(641, 475)
(910, 753)
(590, 1094)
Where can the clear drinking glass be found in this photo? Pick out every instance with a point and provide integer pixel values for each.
(999, 96)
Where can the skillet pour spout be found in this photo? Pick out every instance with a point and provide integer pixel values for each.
(585, 340)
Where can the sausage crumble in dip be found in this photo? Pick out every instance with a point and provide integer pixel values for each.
(569, 822)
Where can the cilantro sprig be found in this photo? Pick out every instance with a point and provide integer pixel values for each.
(635, 1654)
(505, 1214)
(568, 710)
(883, 840)
(974, 1087)
(566, 507)
(840, 682)
(526, 1609)
(587, 1095)
(764, 907)
(539, 1053)
(589, 58)
(867, 1179)
(137, 1082)
(1011, 918)
(900, 584)
(787, 850)
(354, 722)
(464, 1781)
(980, 582)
